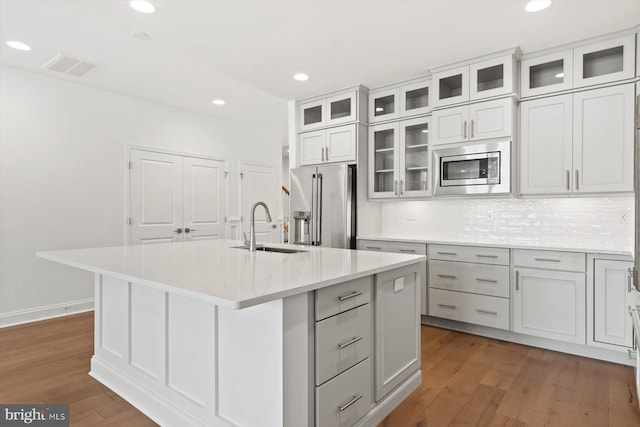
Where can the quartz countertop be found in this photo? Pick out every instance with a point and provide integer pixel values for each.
(216, 272)
(514, 244)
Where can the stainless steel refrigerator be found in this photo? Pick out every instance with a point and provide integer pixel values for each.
(635, 272)
(323, 206)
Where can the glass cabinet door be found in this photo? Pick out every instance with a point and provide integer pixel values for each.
(604, 62)
(492, 77)
(383, 105)
(312, 115)
(383, 160)
(414, 143)
(414, 99)
(341, 108)
(545, 74)
(451, 86)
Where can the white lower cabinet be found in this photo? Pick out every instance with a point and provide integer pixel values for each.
(612, 296)
(397, 328)
(550, 304)
(345, 399)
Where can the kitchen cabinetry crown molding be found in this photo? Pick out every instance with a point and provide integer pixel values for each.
(324, 95)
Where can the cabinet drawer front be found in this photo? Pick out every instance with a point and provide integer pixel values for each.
(469, 308)
(478, 254)
(481, 279)
(400, 247)
(342, 341)
(550, 260)
(346, 398)
(342, 297)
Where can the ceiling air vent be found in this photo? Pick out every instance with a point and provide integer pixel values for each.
(67, 65)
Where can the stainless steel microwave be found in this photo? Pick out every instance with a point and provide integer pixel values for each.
(473, 168)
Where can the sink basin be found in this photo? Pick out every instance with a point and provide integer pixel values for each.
(272, 249)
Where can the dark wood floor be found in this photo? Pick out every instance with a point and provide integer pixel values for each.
(467, 381)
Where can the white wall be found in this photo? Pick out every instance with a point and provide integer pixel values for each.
(62, 176)
(586, 222)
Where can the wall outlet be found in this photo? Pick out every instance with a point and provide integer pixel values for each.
(410, 215)
(491, 215)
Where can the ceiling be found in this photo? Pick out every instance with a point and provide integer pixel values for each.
(246, 52)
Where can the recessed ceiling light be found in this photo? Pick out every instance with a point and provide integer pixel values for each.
(537, 5)
(142, 6)
(301, 77)
(218, 102)
(559, 75)
(18, 45)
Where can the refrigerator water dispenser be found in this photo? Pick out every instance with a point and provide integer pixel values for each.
(301, 220)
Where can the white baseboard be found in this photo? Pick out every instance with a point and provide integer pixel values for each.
(46, 312)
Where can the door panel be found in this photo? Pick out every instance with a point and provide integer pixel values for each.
(258, 184)
(335, 207)
(156, 183)
(612, 298)
(204, 205)
(451, 125)
(491, 119)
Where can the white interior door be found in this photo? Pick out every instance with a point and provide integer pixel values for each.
(258, 184)
(156, 194)
(204, 201)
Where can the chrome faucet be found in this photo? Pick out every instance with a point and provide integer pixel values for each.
(252, 229)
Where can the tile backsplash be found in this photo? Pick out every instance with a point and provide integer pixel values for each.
(589, 222)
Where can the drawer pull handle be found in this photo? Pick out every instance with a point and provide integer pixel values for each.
(548, 259)
(408, 250)
(349, 403)
(453, 307)
(351, 295)
(444, 276)
(486, 256)
(350, 342)
(479, 310)
(374, 248)
(486, 280)
(447, 253)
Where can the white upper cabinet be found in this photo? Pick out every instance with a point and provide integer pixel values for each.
(548, 73)
(479, 80)
(328, 145)
(546, 137)
(451, 86)
(482, 120)
(384, 104)
(600, 62)
(333, 110)
(399, 159)
(603, 139)
(578, 143)
(604, 62)
(415, 98)
(493, 77)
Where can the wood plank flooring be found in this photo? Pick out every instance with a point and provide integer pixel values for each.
(467, 381)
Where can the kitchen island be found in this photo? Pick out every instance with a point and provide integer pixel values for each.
(206, 333)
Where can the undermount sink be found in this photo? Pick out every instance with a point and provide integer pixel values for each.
(272, 249)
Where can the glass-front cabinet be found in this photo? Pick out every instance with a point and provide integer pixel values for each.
(335, 110)
(548, 73)
(384, 104)
(414, 98)
(404, 99)
(399, 159)
(478, 80)
(604, 62)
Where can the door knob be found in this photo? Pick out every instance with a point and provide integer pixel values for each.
(178, 230)
(274, 226)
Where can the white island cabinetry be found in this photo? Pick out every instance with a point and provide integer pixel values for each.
(196, 333)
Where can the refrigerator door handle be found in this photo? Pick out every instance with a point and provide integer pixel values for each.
(313, 210)
(319, 211)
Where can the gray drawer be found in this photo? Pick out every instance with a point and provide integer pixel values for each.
(342, 297)
(342, 341)
(349, 391)
(550, 260)
(477, 254)
(469, 308)
(400, 247)
(492, 280)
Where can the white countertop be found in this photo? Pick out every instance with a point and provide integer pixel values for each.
(588, 248)
(216, 272)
